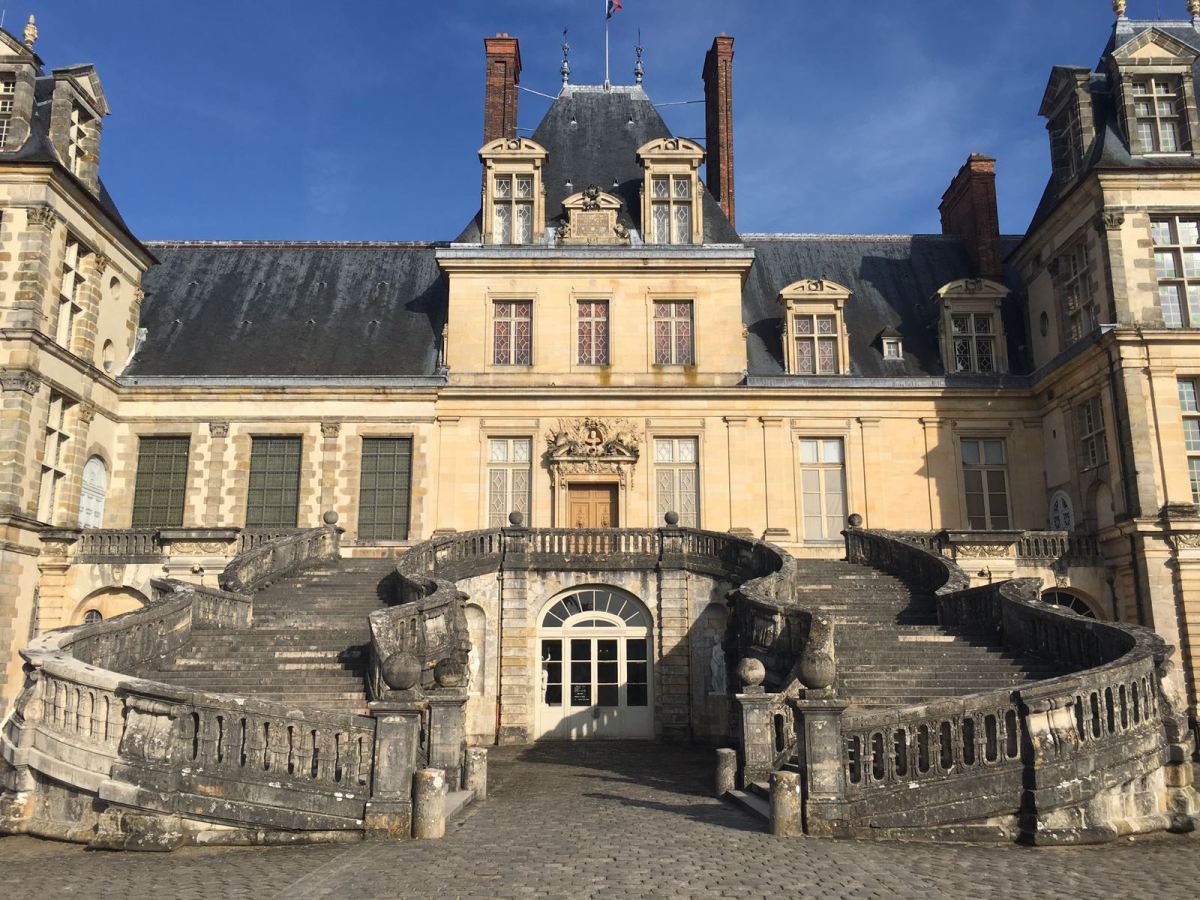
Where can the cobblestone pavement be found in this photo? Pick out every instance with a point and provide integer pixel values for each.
(606, 821)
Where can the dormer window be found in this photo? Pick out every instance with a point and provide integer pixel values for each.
(1067, 106)
(815, 341)
(1066, 142)
(513, 197)
(1157, 92)
(1158, 111)
(973, 341)
(671, 196)
(76, 136)
(893, 348)
(8, 93)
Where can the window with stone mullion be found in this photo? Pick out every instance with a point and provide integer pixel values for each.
(1177, 267)
(816, 345)
(1189, 405)
(512, 201)
(54, 452)
(974, 343)
(68, 299)
(1089, 427)
(593, 333)
(985, 479)
(512, 323)
(677, 479)
(1074, 287)
(8, 90)
(1158, 114)
(509, 479)
(671, 209)
(673, 337)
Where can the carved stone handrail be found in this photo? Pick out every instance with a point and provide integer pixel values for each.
(1055, 547)
(923, 569)
(269, 560)
(131, 545)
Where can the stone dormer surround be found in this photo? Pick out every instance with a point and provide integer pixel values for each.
(78, 88)
(1154, 52)
(22, 65)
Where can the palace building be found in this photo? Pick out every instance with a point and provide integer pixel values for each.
(595, 413)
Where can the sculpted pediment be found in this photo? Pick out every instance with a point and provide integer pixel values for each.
(615, 440)
(592, 218)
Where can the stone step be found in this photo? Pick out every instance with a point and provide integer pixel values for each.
(752, 803)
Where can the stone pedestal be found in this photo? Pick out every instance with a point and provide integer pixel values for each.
(389, 812)
(447, 731)
(429, 805)
(787, 804)
(475, 775)
(825, 779)
(726, 779)
(758, 734)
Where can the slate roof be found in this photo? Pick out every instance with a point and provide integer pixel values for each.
(893, 280)
(215, 309)
(592, 137)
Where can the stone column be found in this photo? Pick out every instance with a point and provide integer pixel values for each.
(447, 731)
(218, 439)
(822, 760)
(874, 467)
(329, 463)
(941, 474)
(516, 641)
(739, 521)
(779, 479)
(389, 812)
(672, 683)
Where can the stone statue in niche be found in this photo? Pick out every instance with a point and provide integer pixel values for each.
(717, 682)
(474, 670)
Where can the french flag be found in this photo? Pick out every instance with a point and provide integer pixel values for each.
(614, 7)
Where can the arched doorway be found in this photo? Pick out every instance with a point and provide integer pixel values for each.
(595, 673)
(1071, 601)
(92, 494)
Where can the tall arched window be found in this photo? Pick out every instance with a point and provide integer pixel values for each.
(91, 497)
(1062, 513)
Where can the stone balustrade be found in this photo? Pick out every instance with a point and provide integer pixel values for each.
(284, 554)
(134, 545)
(1024, 547)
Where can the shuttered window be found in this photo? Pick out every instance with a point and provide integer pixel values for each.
(161, 484)
(273, 497)
(384, 489)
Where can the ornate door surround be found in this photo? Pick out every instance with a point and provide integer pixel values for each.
(591, 450)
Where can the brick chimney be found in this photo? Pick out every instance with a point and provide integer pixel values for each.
(718, 104)
(969, 211)
(500, 97)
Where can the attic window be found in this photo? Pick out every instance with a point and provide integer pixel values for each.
(1066, 142)
(8, 91)
(671, 209)
(1158, 109)
(815, 340)
(513, 199)
(80, 122)
(893, 348)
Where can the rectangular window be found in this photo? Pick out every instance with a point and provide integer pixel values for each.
(161, 483)
(985, 475)
(1089, 430)
(54, 453)
(1158, 114)
(8, 90)
(76, 134)
(1066, 142)
(673, 344)
(384, 489)
(1189, 403)
(512, 333)
(671, 209)
(510, 472)
(974, 342)
(273, 495)
(1073, 285)
(592, 340)
(816, 344)
(1177, 265)
(512, 200)
(677, 479)
(68, 297)
(823, 488)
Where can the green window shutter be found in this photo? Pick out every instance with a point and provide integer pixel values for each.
(385, 487)
(273, 494)
(161, 483)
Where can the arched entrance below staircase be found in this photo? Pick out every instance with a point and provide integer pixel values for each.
(596, 677)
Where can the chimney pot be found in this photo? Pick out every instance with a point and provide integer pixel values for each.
(503, 54)
(718, 105)
(969, 211)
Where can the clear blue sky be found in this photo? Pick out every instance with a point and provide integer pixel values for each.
(299, 119)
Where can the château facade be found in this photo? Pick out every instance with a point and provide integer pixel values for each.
(600, 347)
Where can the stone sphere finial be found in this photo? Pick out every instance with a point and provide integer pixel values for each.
(330, 517)
(449, 673)
(855, 520)
(516, 518)
(672, 518)
(401, 671)
(752, 672)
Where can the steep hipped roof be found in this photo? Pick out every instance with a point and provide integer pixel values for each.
(232, 309)
(893, 281)
(592, 136)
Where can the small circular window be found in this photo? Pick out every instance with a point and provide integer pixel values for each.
(92, 616)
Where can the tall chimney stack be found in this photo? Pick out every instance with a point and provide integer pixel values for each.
(500, 96)
(718, 105)
(969, 211)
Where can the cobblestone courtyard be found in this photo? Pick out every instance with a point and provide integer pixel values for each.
(606, 821)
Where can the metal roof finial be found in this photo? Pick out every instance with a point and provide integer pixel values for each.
(639, 70)
(566, 66)
(1119, 8)
(31, 32)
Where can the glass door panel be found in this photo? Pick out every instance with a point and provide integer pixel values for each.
(581, 672)
(608, 668)
(637, 692)
(552, 672)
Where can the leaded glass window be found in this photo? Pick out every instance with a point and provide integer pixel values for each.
(985, 477)
(823, 488)
(1189, 405)
(673, 339)
(1158, 104)
(1177, 265)
(76, 133)
(512, 323)
(512, 204)
(161, 484)
(384, 489)
(54, 456)
(816, 340)
(1073, 284)
(974, 342)
(1089, 431)
(677, 479)
(8, 90)
(592, 340)
(68, 297)
(273, 495)
(509, 473)
(671, 209)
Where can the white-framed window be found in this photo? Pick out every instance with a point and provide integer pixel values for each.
(893, 348)
(671, 209)
(816, 339)
(510, 474)
(93, 493)
(1089, 432)
(677, 479)
(592, 335)
(1189, 404)
(1159, 120)
(68, 297)
(512, 332)
(1062, 512)
(674, 341)
(822, 488)
(54, 453)
(985, 479)
(1073, 284)
(974, 336)
(512, 208)
(1177, 266)
(8, 92)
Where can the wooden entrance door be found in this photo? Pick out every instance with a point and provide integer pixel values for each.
(593, 506)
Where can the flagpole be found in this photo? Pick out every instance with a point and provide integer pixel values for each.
(607, 83)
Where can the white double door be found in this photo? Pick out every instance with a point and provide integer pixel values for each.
(595, 684)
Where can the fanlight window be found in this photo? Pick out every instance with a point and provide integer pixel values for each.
(625, 608)
(1071, 602)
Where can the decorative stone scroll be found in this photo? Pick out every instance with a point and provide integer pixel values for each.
(592, 219)
(593, 447)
